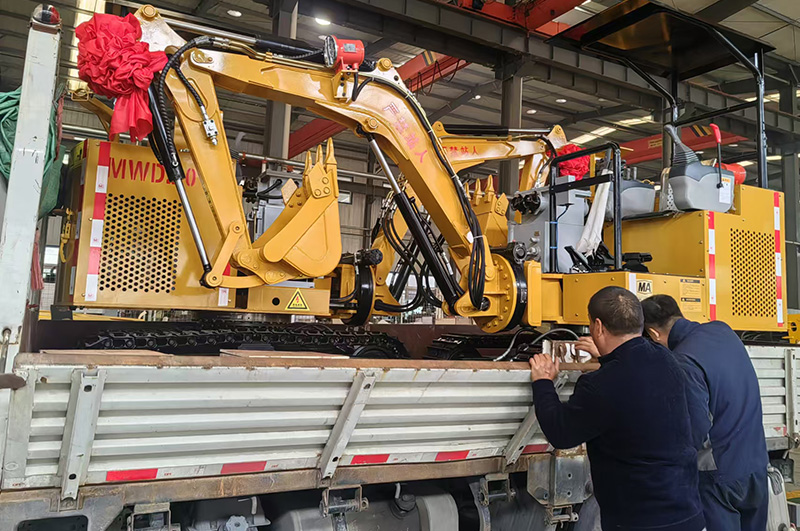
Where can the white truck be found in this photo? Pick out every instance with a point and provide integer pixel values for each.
(240, 441)
(138, 440)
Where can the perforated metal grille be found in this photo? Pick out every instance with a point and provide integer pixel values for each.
(140, 244)
(753, 271)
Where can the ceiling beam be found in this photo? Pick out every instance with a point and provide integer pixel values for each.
(378, 46)
(205, 6)
(722, 9)
(603, 112)
(747, 86)
(464, 98)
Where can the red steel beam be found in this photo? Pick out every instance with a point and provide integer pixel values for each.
(696, 137)
(531, 16)
(418, 73)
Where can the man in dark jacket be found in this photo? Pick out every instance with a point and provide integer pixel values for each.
(632, 414)
(733, 458)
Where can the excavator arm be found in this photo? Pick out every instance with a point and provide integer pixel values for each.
(375, 105)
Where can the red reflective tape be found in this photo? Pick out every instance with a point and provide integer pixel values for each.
(99, 211)
(778, 287)
(452, 456)
(712, 266)
(535, 448)
(227, 271)
(131, 475)
(778, 241)
(93, 268)
(776, 197)
(243, 468)
(713, 311)
(373, 459)
(104, 158)
(710, 220)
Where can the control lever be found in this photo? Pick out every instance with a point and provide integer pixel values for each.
(718, 138)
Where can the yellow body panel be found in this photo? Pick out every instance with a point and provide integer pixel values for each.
(143, 253)
(738, 256)
(578, 288)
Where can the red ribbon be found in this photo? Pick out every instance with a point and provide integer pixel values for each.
(577, 167)
(116, 64)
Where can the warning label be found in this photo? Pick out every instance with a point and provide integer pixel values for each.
(691, 295)
(297, 302)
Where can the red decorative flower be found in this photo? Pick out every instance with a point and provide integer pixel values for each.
(116, 64)
(577, 167)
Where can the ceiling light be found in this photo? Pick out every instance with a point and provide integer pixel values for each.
(746, 163)
(323, 37)
(699, 152)
(530, 111)
(636, 121)
(477, 97)
(322, 21)
(561, 100)
(601, 99)
(583, 139)
(774, 157)
(603, 131)
(234, 13)
(733, 145)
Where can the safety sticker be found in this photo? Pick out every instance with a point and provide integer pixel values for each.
(691, 294)
(726, 191)
(297, 302)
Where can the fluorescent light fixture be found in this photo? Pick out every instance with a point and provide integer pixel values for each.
(530, 111)
(322, 21)
(65, 160)
(234, 13)
(636, 121)
(583, 139)
(699, 152)
(733, 145)
(603, 131)
(561, 100)
(477, 97)
(774, 157)
(746, 163)
(601, 99)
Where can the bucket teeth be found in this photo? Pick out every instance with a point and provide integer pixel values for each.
(478, 193)
(329, 158)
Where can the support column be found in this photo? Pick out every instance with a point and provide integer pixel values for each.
(790, 177)
(279, 115)
(25, 182)
(511, 116)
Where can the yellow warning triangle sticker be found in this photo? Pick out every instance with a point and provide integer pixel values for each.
(297, 302)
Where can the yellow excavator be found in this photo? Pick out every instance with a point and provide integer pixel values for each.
(174, 235)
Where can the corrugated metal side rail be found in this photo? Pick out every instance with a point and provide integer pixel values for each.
(778, 396)
(88, 419)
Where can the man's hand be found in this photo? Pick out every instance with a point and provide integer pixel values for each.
(586, 344)
(543, 368)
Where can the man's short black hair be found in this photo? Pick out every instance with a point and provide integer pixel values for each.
(660, 311)
(618, 309)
